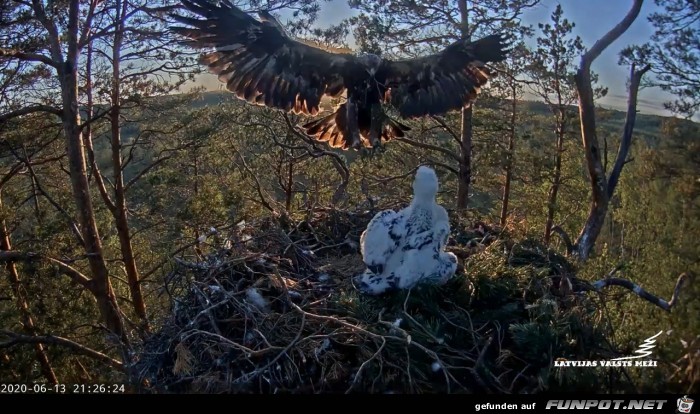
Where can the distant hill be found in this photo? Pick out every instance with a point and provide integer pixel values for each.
(647, 128)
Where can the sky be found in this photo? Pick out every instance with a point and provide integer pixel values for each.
(593, 18)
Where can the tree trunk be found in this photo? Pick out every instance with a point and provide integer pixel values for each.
(466, 135)
(554, 189)
(506, 193)
(76, 157)
(102, 288)
(602, 187)
(120, 211)
(599, 185)
(195, 175)
(5, 360)
(509, 162)
(600, 197)
(465, 159)
(23, 306)
(32, 181)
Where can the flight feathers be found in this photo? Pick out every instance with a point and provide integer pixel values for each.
(261, 64)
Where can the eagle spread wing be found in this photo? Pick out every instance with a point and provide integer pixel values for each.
(441, 82)
(260, 63)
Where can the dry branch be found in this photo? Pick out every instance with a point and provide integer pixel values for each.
(639, 291)
(611, 36)
(72, 225)
(630, 119)
(565, 238)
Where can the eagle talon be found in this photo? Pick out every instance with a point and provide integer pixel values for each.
(378, 148)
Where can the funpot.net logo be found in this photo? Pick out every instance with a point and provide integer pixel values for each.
(684, 405)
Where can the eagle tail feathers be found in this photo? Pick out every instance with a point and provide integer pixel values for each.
(327, 129)
(333, 129)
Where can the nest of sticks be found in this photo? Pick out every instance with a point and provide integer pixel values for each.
(272, 310)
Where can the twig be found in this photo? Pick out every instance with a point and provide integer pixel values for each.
(359, 371)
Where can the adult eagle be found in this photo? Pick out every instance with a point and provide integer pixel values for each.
(261, 64)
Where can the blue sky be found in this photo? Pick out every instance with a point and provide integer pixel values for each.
(593, 18)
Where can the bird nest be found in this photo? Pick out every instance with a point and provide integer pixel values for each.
(273, 310)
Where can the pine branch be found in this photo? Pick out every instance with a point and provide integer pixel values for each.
(27, 56)
(13, 338)
(69, 219)
(30, 110)
(74, 274)
(430, 147)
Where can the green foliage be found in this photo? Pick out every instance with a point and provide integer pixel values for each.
(673, 54)
(222, 152)
(653, 231)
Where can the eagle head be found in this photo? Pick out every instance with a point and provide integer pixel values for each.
(425, 186)
(370, 61)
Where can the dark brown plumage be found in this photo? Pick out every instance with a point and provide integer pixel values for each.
(261, 64)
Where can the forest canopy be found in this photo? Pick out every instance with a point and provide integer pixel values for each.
(138, 211)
